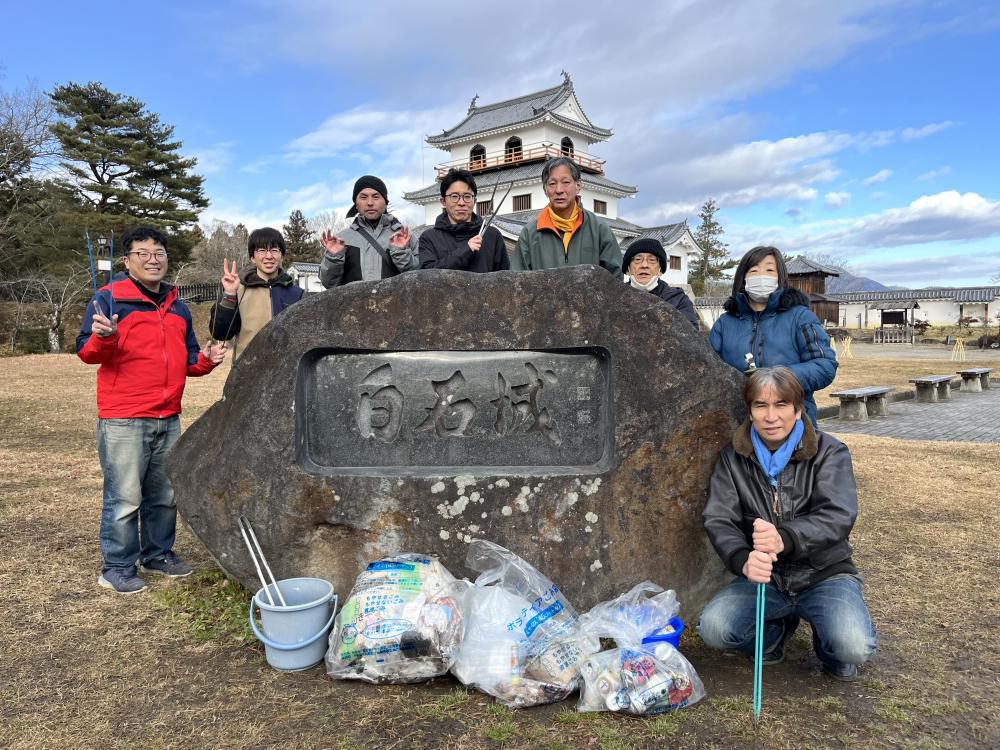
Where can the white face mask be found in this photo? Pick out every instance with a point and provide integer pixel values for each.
(759, 288)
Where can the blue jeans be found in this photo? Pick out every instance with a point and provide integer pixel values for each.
(139, 518)
(843, 632)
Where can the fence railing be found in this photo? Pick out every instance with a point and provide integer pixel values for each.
(200, 292)
(518, 154)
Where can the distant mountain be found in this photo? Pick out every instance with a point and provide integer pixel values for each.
(848, 282)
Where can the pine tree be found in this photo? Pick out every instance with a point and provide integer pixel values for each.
(300, 243)
(713, 254)
(125, 166)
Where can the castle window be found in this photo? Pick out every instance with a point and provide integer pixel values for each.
(522, 202)
(477, 157)
(512, 149)
(600, 207)
(567, 147)
(675, 263)
(484, 207)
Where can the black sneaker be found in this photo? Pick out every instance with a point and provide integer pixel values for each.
(842, 672)
(168, 565)
(122, 580)
(777, 653)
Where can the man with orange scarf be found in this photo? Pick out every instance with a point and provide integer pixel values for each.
(565, 233)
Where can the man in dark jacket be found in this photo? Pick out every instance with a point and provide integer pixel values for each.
(251, 302)
(375, 246)
(454, 242)
(781, 506)
(140, 333)
(644, 262)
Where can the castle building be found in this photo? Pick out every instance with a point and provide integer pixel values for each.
(507, 144)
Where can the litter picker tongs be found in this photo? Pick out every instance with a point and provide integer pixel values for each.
(496, 208)
(257, 555)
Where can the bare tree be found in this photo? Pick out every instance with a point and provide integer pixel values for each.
(57, 294)
(27, 151)
(223, 241)
(18, 291)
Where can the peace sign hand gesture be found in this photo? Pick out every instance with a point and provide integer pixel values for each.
(230, 279)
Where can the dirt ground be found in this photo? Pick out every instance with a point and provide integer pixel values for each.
(174, 668)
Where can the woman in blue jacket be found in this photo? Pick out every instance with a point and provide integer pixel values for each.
(768, 323)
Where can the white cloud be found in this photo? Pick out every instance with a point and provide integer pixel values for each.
(935, 173)
(913, 134)
(974, 268)
(948, 216)
(213, 159)
(836, 199)
(881, 176)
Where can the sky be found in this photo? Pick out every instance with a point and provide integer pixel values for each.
(861, 131)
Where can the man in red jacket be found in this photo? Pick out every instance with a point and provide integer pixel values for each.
(140, 333)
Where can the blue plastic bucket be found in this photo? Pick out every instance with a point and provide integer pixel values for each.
(673, 639)
(294, 637)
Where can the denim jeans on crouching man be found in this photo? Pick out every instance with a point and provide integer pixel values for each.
(139, 518)
(843, 632)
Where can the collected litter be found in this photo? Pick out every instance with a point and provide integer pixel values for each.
(401, 623)
(522, 643)
(637, 678)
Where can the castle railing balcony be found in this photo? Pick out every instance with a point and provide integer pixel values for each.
(521, 155)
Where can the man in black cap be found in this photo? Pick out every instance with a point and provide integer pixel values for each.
(375, 246)
(644, 261)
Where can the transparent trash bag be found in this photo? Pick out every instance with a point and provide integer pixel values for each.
(401, 623)
(521, 642)
(635, 678)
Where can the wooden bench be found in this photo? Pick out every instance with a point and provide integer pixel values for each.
(933, 388)
(857, 404)
(975, 379)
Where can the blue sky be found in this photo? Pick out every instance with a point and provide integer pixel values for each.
(863, 131)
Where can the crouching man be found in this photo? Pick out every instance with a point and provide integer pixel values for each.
(781, 506)
(146, 350)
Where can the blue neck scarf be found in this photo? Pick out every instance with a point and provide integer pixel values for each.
(774, 463)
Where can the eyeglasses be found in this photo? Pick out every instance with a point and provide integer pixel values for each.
(461, 197)
(267, 251)
(145, 255)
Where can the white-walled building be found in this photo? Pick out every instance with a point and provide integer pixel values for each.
(869, 310)
(939, 307)
(306, 276)
(508, 143)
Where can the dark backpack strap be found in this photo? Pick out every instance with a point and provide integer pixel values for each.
(374, 243)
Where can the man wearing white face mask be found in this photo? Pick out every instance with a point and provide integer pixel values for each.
(768, 323)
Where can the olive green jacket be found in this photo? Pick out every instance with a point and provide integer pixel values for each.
(593, 244)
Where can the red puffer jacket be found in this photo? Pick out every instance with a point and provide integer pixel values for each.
(145, 363)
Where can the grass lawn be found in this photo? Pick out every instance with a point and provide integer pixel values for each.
(175, 667)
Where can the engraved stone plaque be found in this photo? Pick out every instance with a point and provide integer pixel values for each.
(434, 412)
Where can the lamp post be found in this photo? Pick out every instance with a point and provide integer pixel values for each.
(103, 262)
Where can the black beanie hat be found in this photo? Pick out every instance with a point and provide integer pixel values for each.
(367, 181)
(646, 245)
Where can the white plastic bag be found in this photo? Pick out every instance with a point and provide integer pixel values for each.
(401, 623)
(521, 643)
(635, 678)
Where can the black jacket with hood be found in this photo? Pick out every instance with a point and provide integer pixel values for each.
(813, 507)
(446, 245)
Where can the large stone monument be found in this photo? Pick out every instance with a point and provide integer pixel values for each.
(561, 414)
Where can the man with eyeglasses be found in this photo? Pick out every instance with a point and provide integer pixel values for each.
(146, 350)
(565, 233)
(375, 246)
(250, 302)
(455, 242)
